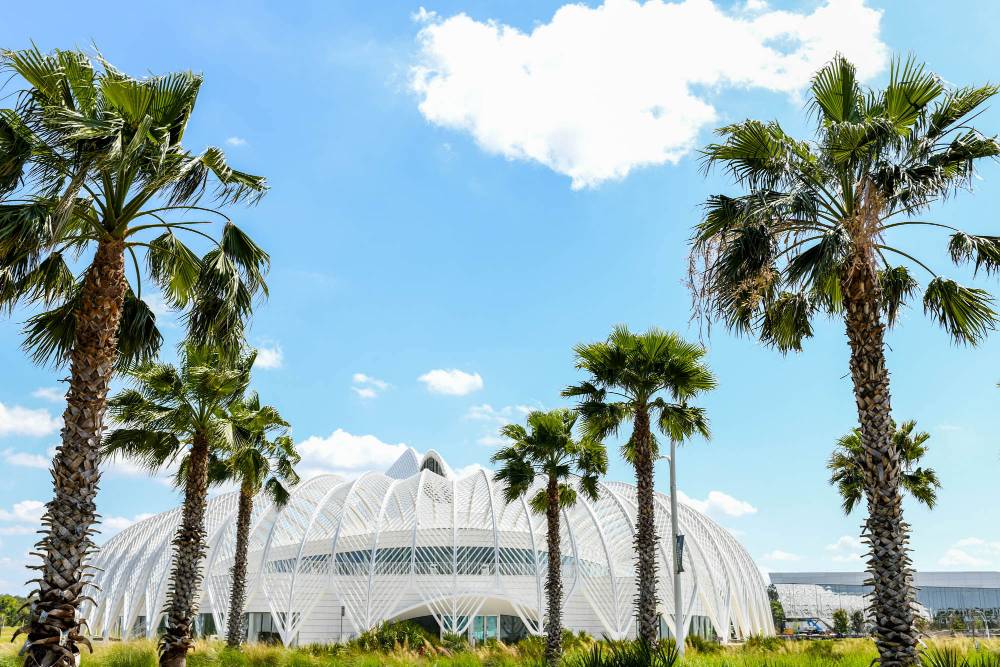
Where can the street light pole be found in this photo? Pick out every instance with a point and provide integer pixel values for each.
(678, 565)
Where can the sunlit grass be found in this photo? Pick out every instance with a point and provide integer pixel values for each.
(776, 653)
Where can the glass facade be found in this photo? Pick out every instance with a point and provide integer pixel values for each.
(956, 600)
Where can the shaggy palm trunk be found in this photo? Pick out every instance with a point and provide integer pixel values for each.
(54, 628)
(885, 530)
(189, 548)
(553, 582)
(237, 597)
(645, 530)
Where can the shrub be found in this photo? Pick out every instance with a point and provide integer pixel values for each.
(702, 645)
(387, 636)
(762, 643)
(454, 642)
(841, 622)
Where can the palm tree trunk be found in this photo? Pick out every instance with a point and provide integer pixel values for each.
(553, 582)
(237, 597)
(54, 628)
(189, 548)
(885, 530)
(645, 530)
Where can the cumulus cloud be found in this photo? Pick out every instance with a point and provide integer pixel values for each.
(269, 357)
(236, 141)
(366, 386)
(452, 382)
(955, 557)
(504, 415)
(26, 459)
(115, 524)
(16, 420)
(345, 454)
(718, 504)
(847, 549)
(971, 552)
(492, 441)
(599, 91)
(52, 394)
(779, 555)
(26, 511)
(470, 469)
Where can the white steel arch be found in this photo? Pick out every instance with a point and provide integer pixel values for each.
(417, 540)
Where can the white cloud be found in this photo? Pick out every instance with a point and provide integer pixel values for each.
(361, 378)
(492, 441)
(970, 542)
(718, 504)
(470, 469)
(452, 382)
(779, 555)
(16, 420)
(345, 454)
(236, 141)
(971, 552)
(599, 91)
(52, 394)
(955, 557)
(26, 511)
(368, 386)
(504, 415)
(26, 459)
(114, 524)
(847, 549)
(269, 357)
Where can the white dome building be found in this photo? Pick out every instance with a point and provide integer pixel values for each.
(415, 542)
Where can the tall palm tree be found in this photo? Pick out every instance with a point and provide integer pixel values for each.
(181, 415)
(94, 180)
(262, 462)
(846, 466)
(817, 231)
(646, 379)
(547, 449)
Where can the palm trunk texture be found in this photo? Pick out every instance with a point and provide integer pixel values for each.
(237, 597)
(189, 548)
(885, 530)
(645, 533)
(553, 582)
(54, 627)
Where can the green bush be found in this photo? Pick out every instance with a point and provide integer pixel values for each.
(762, 643)
(387, 636)
(454, 642)
(702, 645)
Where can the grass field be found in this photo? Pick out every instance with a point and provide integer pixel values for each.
(765, 653)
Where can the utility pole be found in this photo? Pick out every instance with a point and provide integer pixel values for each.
(677, 540)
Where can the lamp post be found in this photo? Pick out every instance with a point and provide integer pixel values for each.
(678, 546)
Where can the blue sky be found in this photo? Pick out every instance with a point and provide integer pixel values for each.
(471, 220)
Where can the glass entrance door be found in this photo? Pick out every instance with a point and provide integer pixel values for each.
(483, 628)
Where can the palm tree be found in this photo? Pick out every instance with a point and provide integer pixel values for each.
(815, 232)
(644, 379)
(547, 449)
(846, 466)
(181, 415)
(92, 168)
(261, 464)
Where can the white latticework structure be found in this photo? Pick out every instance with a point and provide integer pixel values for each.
(415, 542)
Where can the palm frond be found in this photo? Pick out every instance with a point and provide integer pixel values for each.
(896, 286)
(966, 313)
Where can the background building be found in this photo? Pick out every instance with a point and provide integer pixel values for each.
(959, 600)
(416, 542)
